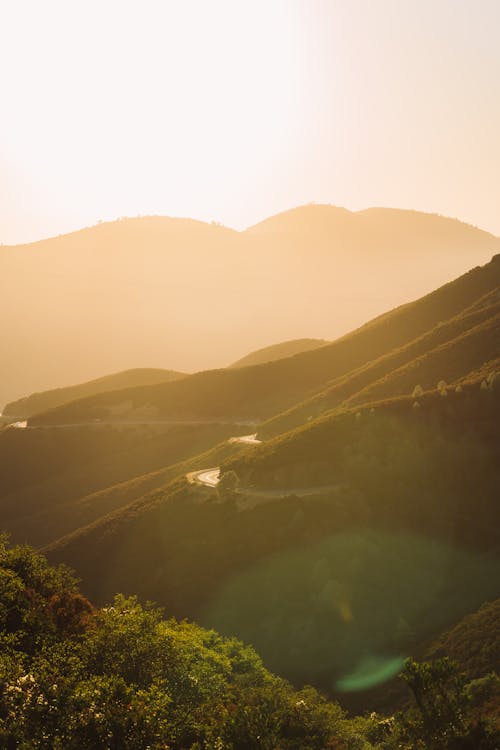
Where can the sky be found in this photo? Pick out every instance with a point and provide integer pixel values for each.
(233, 110)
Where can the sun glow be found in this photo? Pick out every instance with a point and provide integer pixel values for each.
(233, 111)
(137, 108)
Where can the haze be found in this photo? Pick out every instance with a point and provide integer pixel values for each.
(234, 111)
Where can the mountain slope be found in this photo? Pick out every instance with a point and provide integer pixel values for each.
(53, 481)
(259, 392)
(448, 351)
(279, 351)
(29, 405)
(399, 544)
(189, 295)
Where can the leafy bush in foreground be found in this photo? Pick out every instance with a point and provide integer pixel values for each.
(123, 678)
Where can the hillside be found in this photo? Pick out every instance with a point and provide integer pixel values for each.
(256, 393)
(473, 642)
(37, 402)
(54, 481)
(397, 542)
(123, 676)
(186, 295)
(351, 541)
(449, 351)
(279, 351)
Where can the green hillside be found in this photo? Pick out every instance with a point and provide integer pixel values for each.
(25, 407)
(448, 351)
(125, 677)
(405, 501)
(279, 351)
(77, 677)
(350, 542)
(55, 480)
(473, 642)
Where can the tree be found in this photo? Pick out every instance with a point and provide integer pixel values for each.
(441, 720)
(227, 487)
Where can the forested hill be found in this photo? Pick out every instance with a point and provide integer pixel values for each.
(123, 676)
(396, 533)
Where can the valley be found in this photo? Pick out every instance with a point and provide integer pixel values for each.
(250, 375)
(358, 453)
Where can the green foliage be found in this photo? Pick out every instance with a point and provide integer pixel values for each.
(127, 679)
(473, 642)
(124, 678)
(439, 693)
(442, 718)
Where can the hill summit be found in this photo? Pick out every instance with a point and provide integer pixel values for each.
(185, 295)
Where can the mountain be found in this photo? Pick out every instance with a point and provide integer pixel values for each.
(56, 480)
(259, 392)
(29, 405)
(448, 351)
(189, 295)
(357, 537)
(394, 540)
(279, 351)
(349, 542)
(473, 642)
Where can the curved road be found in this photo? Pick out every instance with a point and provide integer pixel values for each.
(210, 477)
(207, 477)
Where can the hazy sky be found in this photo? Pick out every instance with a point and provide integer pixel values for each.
(236, 109)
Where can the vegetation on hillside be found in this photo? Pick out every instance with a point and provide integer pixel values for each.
(74, 677)
(56, 480)
(450, 350)
(26, 407)
(337, 549)
(410, 506)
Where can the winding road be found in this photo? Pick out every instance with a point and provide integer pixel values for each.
(206, 477)
(210, 477)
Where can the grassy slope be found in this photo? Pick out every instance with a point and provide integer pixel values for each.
(279, 351)
(323, 446)
(264, 390)
(80, 495)
(473, 642)
(57, 480)
(25, 407)
(395, 550)
(448, 351)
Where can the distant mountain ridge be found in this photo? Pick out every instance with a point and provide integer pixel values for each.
(186, 295)
(367, 517)
(261, 391)
(37, 402)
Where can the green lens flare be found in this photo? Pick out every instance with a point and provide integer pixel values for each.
(371, 671)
